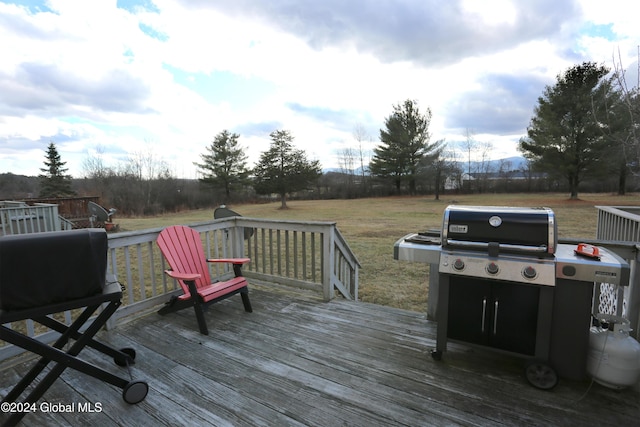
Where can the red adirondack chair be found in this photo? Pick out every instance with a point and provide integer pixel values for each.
(182, 248)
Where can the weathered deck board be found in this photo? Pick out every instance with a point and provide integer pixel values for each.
(298, 361)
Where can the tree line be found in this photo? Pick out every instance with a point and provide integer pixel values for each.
(584, 131)
(583, 135)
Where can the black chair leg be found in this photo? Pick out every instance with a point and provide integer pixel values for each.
(202, 323)
(245, 300)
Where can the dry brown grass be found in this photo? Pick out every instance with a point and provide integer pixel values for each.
(372, 226)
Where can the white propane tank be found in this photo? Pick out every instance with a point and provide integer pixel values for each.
(614, 357)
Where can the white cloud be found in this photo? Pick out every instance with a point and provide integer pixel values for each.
(171, 74)
(491, 12)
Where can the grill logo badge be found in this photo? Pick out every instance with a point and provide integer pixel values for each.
(458, 228)
(495, 221)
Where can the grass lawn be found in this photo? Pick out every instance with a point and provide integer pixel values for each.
(372, 226)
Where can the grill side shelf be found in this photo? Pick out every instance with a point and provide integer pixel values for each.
(610, 268)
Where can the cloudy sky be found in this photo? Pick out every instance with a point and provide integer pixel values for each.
(113, 79)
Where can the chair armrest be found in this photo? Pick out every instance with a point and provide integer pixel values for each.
(182, 276)
(237, 263)
(234, 261)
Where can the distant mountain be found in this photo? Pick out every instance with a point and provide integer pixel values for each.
(511, 163)
(507, 164)
(357, 171)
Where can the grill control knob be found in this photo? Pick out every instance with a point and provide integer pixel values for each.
(529, 272)
(492, 268)
(458, 264)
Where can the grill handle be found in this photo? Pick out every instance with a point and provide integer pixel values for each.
(484, 311)
(485, 245)
(495, 317)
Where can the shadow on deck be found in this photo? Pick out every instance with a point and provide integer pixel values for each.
(299, 361)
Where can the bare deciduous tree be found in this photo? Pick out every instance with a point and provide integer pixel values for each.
(470, 145)
(629, 141)
(361, 135)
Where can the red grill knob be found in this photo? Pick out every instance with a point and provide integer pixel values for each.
(529, 272)
(458, 264)
(492, 268)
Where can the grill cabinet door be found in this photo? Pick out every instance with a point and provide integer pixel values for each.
(468, 303)
(515, 317)
(497, 314)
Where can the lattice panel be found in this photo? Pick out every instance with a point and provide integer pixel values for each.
(608, 300)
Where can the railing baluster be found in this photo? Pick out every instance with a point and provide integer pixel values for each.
(209, 252)
(127, 264)
(152, 269)
(295, 254)
(313, 257)
(287, 254)
(143, 291)
(165, 281)
(30, 327)
(304, 256)
(249, 246)
(278, 253)
(264, 252)
(271, 262)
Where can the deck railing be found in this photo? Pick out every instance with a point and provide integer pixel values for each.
(21, 218)
(310, 255)
(618, 223)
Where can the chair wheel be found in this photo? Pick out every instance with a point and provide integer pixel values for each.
(128, 360)
(436, 355)
(135, 392)
(541, 375)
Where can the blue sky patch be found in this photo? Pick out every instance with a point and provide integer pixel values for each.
(223, 86)
(34, 6)
(152, 32)
(261, 129)
(135, 6)
(602, 31)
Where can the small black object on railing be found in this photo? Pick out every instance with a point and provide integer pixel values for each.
(224, 212)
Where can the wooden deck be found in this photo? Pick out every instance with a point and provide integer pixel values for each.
(296, 361)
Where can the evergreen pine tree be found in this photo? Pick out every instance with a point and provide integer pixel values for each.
(53, 181)
(225, 164)
(283, 169)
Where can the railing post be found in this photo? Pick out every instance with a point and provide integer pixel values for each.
(328, 245)
(237, 240)
(54, 216)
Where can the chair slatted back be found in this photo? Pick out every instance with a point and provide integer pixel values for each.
(182, 248)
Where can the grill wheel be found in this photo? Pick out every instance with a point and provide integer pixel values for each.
(541, 375)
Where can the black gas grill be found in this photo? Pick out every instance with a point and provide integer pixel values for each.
(506, 284)
(46, 273)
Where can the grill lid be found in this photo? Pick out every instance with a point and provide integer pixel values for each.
(45, 268)
(500, 229)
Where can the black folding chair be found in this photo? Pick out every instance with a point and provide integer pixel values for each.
(24, 295)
